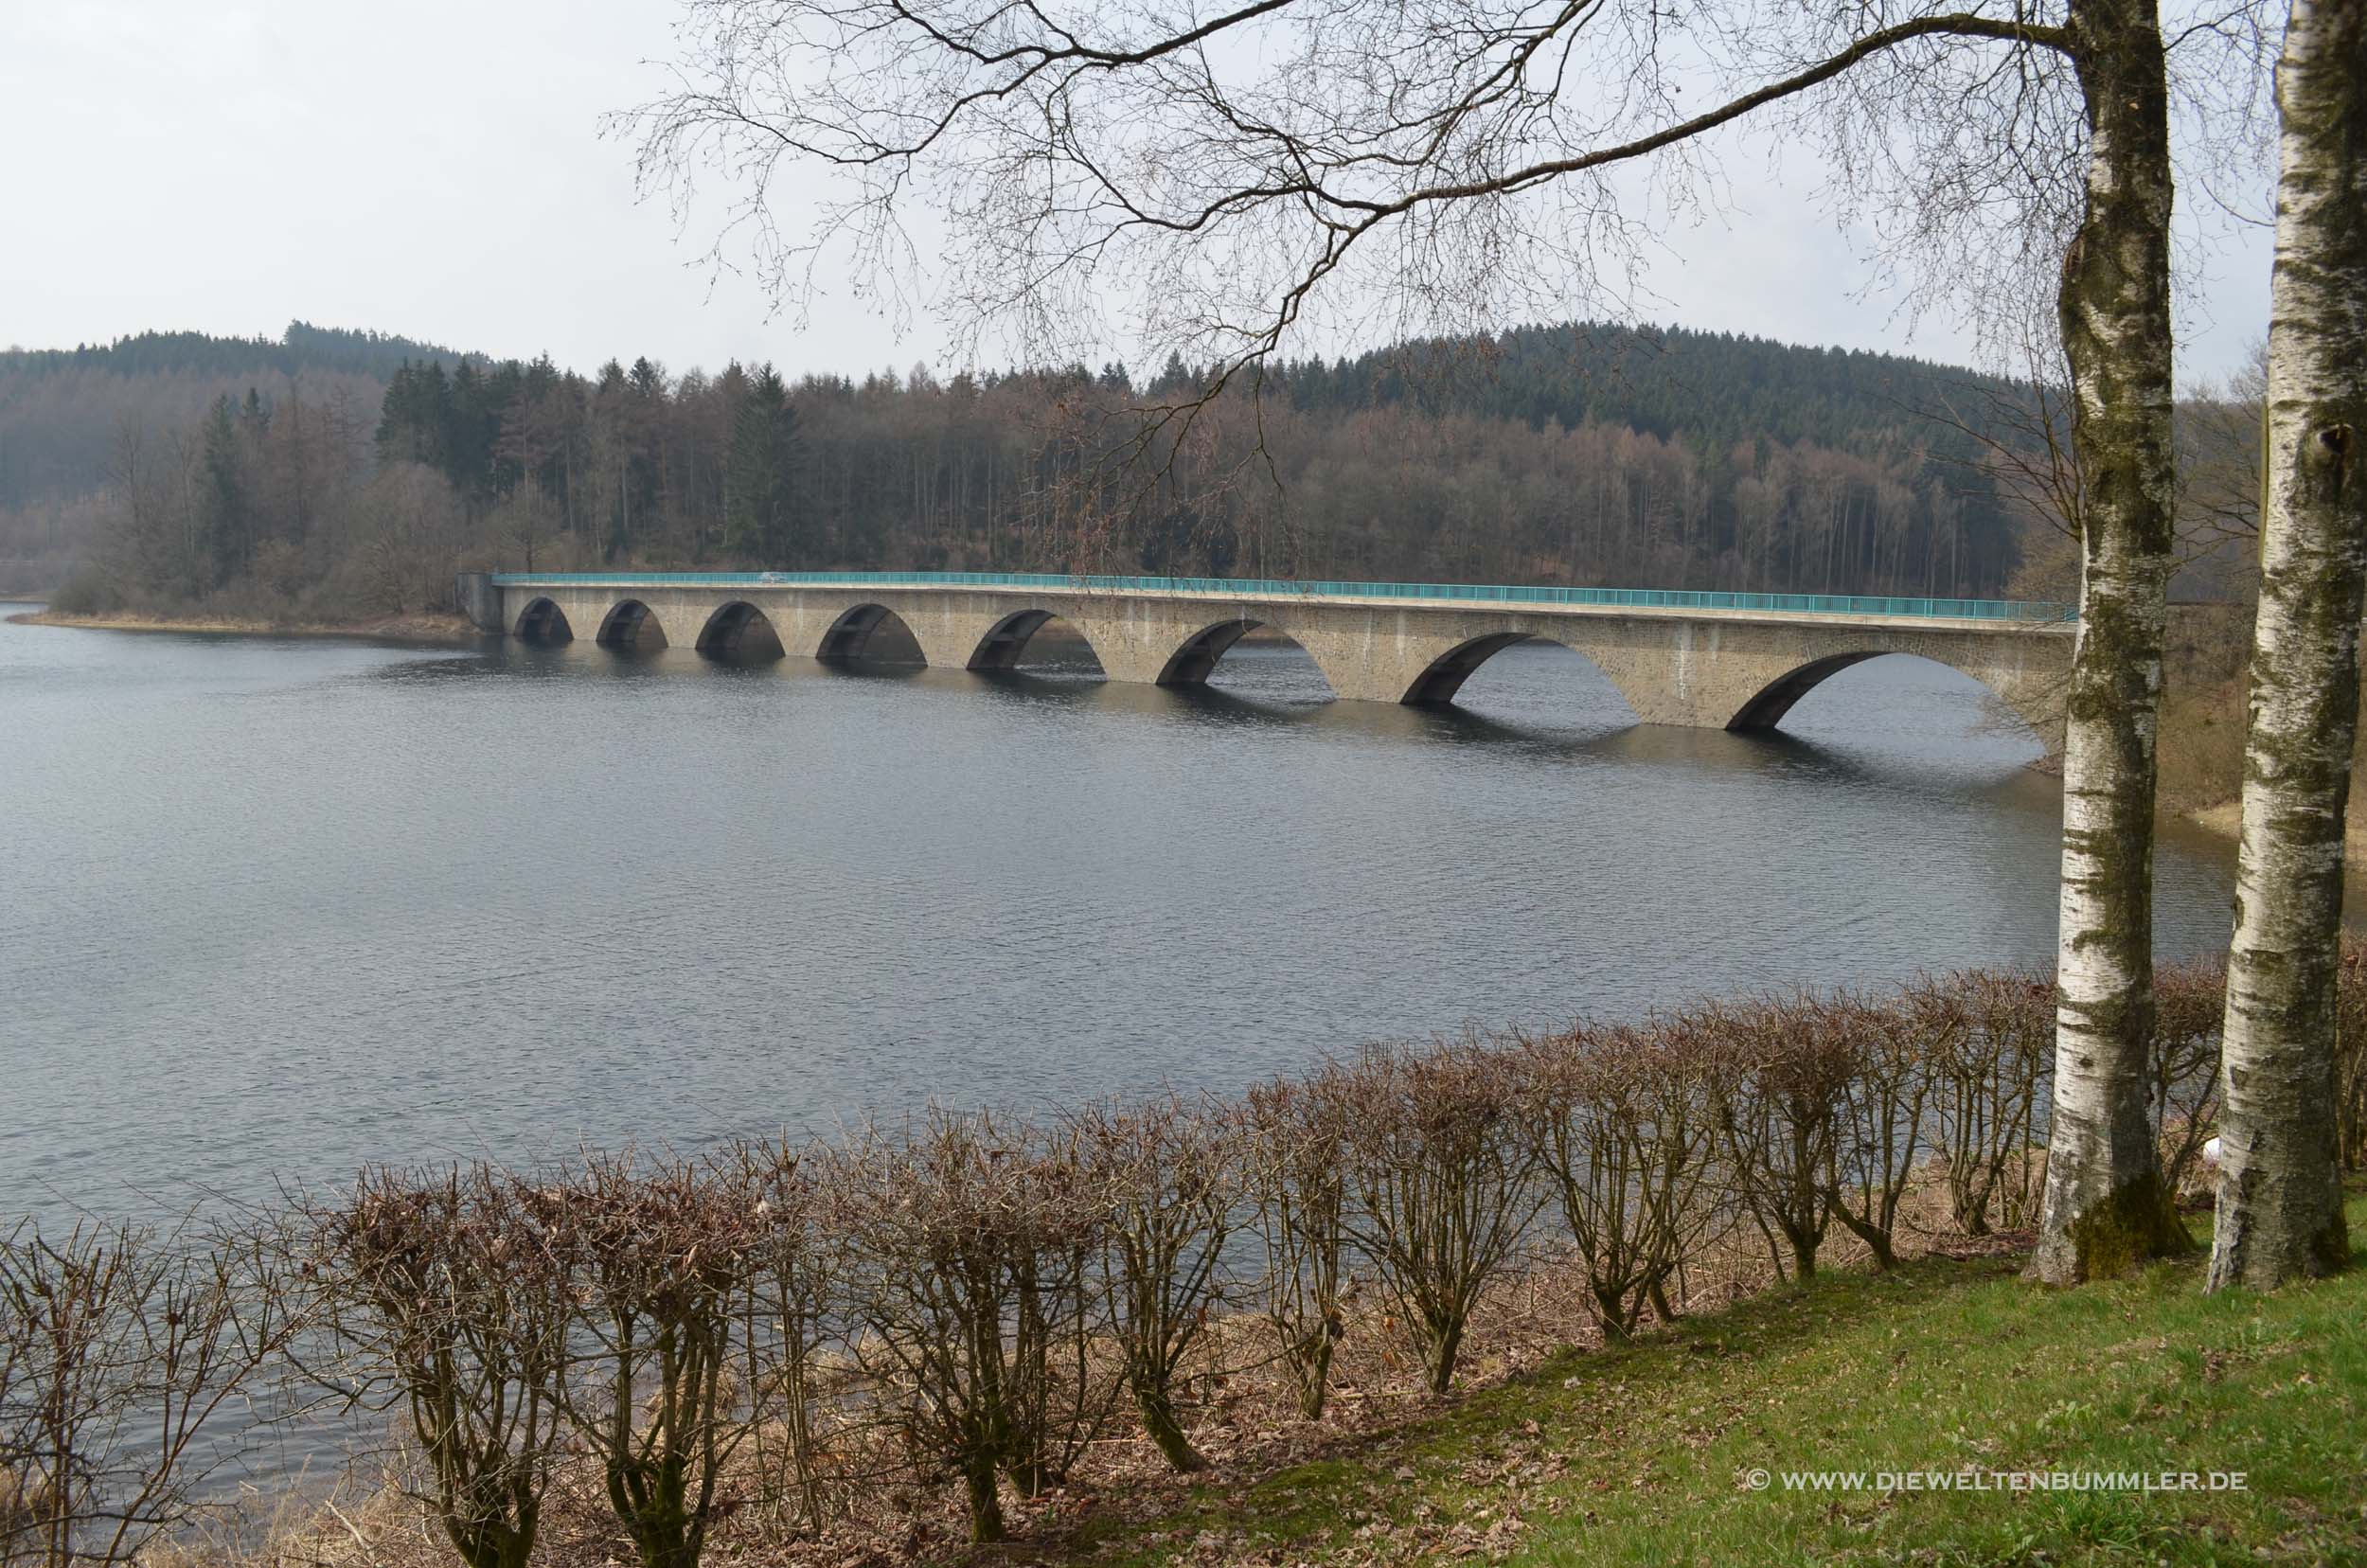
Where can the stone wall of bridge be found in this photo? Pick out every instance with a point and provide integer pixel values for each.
(1699, 669)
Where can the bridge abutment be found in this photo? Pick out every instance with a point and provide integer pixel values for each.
(481, 601)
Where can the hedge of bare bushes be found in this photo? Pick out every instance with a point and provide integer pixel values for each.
(966, 1303)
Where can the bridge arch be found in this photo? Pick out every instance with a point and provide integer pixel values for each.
(1189, 665)
(848, 637)
(739, 630)
(1005, 642)
(544, 622)
(629, 624)
(1441, 681)
(1436, 685)
(1766, 709)
(1772, 702)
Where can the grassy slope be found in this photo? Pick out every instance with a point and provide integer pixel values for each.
(1643, 1455)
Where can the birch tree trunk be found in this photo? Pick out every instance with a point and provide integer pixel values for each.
(2280, 1209)
(2105, 1205)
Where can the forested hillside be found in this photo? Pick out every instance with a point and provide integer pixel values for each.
(332, 473)
(70, 417)
(1710, 387)
(59, 407)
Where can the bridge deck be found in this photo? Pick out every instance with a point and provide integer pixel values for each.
(1815, 609)
(1678, 656)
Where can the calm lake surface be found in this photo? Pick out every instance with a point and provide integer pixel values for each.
(271, 908)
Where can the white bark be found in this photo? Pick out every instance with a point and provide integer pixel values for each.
(2280, 1200)
(2104, 1204)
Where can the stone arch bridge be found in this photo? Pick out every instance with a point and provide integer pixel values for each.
(1707, 660)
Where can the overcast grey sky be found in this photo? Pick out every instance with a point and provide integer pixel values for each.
(435, 168)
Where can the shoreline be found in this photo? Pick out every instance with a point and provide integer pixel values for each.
(440, 631)
(2226, 819)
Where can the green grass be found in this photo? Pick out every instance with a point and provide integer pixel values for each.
(1645, 1455)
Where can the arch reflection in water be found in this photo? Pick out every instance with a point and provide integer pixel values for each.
(1530, 683)
(1902, 702)
(1252, 661)
(800, 904)
(1825, 688)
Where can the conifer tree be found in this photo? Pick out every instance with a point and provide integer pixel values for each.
(761, 474)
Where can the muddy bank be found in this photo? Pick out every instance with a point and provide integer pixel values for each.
(439, 629)
(2227, 818)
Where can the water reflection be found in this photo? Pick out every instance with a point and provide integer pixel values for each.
(276, 907)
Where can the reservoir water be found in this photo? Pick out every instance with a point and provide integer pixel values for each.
(271, 908)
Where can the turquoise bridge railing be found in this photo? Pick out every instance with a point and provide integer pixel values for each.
(1270, 588)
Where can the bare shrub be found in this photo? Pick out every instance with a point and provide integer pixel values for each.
(1442, 1173)
(788, 1315)
(969, 1300)
(658, 1255)
(1293, 1169)
(2190, 1008)
(1992, 1052)
(1164, 1173)
(969, 1297)
(1884, 1053)
(120, 1350)
(1628, 1137)
(1784, 1071)
(444, 1297)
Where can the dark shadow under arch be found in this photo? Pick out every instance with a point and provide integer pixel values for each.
(1006, 642)
(739, 631)
(629, 624)
(542, 623)
(849, 638)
